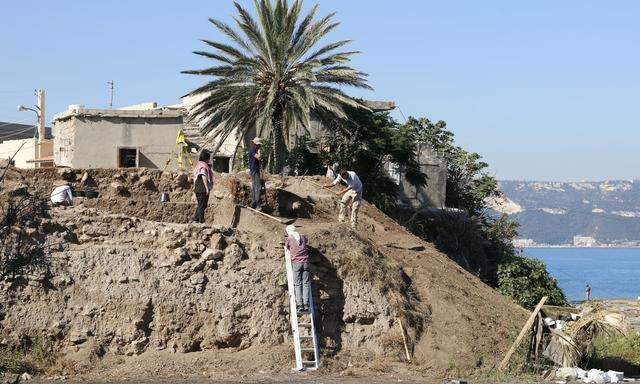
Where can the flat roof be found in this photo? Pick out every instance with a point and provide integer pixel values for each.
(12, 131)
(146, 113)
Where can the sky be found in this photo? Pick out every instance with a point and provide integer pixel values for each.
(543, 90)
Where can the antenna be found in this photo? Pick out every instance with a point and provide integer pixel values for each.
(110, 83)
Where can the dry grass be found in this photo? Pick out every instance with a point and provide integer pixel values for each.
(600, 323)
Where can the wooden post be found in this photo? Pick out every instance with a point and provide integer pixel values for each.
(527, 326)
(404, 341)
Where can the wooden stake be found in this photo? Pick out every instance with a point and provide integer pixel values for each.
(404, 341)
(281, 221)
(527, 326)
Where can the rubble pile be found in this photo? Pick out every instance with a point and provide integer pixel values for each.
(128, 276)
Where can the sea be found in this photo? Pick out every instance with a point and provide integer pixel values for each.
(612, 273)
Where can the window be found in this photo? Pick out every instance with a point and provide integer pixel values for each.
(127, 157)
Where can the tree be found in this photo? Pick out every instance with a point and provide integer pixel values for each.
(480, 243)
(270, 77)
(468, 183)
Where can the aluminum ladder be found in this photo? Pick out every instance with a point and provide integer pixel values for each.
(301, 341)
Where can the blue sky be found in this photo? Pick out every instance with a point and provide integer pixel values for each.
(545, 90)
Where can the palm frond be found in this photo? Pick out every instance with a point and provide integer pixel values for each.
(270, 78)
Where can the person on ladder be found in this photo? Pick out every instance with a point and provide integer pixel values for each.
(202, 182)
(297, 245)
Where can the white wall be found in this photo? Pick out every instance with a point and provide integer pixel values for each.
(27, 152)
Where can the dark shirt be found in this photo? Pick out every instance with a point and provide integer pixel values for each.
(199, 185)
(254, 164)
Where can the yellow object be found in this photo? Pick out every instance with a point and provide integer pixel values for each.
(180, 150)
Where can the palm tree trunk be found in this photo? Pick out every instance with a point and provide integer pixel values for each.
(279, 147)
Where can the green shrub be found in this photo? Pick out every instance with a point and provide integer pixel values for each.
(526, 281)
(618, 353)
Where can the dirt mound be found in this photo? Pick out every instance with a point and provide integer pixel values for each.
(136, 280)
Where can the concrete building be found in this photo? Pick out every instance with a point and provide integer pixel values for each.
(584, 241)
(116, 138)
(20, 140)
(523, 243)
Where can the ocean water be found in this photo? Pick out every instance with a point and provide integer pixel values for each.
(612, 273)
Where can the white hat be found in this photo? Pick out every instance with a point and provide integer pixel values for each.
(257, 141)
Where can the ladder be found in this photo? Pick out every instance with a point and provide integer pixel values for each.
(305, 342)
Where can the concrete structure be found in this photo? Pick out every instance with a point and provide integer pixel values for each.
(434, 193)
(20, 139)
(584, 241)
(523, 243)
(114, 138)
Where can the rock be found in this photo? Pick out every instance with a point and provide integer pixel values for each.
(137, 346)
(232, 256)
(199, 281)
(25, 377)
(62, 281)
(211, 254)
(219, 194)
(94, 230)
(182, 181)
(77, 338)
(118, 188)
(173, 243)
(217, 241)
(198, 265)
(180, 252)
(148, 183)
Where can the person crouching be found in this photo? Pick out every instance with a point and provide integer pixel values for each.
(297, 245)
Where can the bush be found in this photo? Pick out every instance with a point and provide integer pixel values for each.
(618, 353)
(526, 281)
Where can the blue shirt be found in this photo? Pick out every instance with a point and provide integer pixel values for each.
(254, 164)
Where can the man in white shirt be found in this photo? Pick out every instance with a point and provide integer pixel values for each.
(62, 195)
(350, 195)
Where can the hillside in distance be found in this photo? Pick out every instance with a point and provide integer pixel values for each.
(555, 212)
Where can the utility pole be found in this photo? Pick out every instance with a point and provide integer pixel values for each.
(41, 114)
(110, 83)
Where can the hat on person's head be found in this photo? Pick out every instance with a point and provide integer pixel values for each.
(257, 141)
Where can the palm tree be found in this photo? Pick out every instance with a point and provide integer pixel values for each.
(272, 78)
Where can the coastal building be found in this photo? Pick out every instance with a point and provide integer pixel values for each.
(584, 241)
(524, 243)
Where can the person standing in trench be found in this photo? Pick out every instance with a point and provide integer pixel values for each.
(255, 170)
(202, 182)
